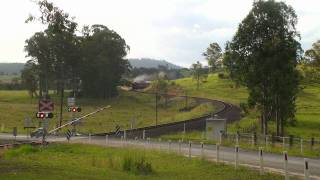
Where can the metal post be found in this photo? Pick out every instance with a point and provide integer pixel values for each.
(217, 151)
(189, 149)
(107, 139)
(89, 137)
(220, 138)
(236, 163)
(184, 128)
(157, 107)
(169, 145)
(283, 142)
(261, 160)
(285, 154)
(306, 169)
(237, 139)
(202, 150)
(267, 142)
(301, 146)
(121, 140)
(124, 134)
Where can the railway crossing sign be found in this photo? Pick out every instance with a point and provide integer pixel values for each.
(46, 105)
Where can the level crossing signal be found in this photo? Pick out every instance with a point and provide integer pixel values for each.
(117, 130)
(43, 115)
(68, 134)
(74, 109)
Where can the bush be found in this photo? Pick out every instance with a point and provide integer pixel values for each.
(136, 164)
(221, 75)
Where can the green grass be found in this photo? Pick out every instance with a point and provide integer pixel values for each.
(75, 161)
(15, 106)
(308, 105)
(8, 78)
(246, 143)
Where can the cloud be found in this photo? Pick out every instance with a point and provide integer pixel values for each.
(175, 30)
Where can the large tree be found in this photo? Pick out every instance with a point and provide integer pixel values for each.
(263, 56)
(103, 52)
(212, 55)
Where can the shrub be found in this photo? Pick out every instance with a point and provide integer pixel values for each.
(136, 164)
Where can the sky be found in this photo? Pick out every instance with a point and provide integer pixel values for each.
(178, 31)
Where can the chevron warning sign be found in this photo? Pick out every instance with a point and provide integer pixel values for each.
(46, 105)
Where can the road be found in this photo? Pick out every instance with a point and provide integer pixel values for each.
(272, 162)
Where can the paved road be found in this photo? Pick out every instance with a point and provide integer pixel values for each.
(272, 162)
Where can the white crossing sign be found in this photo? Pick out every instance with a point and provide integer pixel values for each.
(71, 101)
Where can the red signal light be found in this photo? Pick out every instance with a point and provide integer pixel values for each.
(74, 109)
(42, 115)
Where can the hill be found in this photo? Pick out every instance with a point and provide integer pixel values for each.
(10, 68)
(307, 110)
(152, 63)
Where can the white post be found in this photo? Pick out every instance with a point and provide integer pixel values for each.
(267, 142)
(189, 149)
(301, 146)
(89, 137)
(143, 134)
(306, 169)
(261, 160)
(252, 140)
(285, 154)
(236, 163)
(179, 147)
(107, 139)
(202, 150)
(237, 139)
(217, 151)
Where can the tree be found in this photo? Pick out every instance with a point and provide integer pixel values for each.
(103, 63)
(29, 77)
(263, 55)
(198, 73)
(212, 54)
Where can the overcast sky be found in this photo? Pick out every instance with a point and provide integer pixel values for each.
(175, 30)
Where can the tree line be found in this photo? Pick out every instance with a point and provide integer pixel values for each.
(89, 61)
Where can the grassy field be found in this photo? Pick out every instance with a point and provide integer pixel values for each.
(66, 161)
(8, 78)
(15, 106)
(308, 105)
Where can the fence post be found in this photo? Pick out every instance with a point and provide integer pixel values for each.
(189, 149)
(306, 169)
(236, 163)
(220, 138)
(202, 150)
(122, 141)
(217, 151)
(159, 143)
(89, 138)
(107, 139)
(283, 142)
(290, 141)
(261, 161)
(237, 138)
(169, 145)
(301, 146)
(124, 134)
(143, 134)
(184, 128)
(285, 154)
